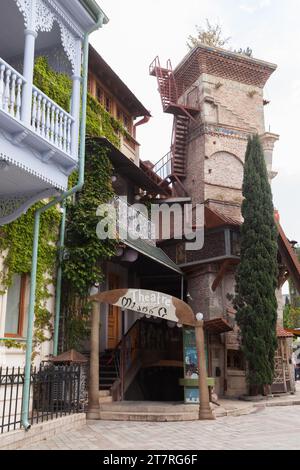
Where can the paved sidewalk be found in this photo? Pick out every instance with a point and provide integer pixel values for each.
(239, 407)
(270, 428)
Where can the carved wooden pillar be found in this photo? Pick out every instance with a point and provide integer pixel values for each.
(94, 408)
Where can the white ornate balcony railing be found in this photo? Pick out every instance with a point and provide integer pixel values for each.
(51, 121)
(48, 120)
(133, 222)
(11, 87)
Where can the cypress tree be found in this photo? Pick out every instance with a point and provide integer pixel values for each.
(256, 278)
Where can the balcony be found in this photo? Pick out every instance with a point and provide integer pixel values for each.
(130, 148)
(132, 223)
(39, 140)
(50, 128)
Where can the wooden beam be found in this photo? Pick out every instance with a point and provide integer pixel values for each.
(180, 184)
(221, 273)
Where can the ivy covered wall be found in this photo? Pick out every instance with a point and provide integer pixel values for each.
(83, 252)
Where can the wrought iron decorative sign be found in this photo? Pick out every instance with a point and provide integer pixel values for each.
(147, 302)
(150, 303)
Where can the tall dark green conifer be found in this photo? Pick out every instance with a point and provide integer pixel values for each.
(256, 278)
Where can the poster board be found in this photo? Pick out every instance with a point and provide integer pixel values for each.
(190, 361)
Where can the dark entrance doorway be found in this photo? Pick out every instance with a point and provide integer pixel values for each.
(161, 355)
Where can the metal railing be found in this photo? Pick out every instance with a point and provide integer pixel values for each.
(131, 222)
(56, 391)
(124, 357)
(163, 168)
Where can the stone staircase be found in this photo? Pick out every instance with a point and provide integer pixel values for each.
(108, 371)
(105, 397)
(148, 411)
(107, 376)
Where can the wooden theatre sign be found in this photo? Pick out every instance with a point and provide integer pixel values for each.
(147, 302)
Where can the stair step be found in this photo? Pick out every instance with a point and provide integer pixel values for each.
(180, 148)
(108, 373)
(179, 154)
(107, 399)
(148, 417)
(104, 393)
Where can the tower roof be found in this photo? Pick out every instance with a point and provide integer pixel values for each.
(221, 63)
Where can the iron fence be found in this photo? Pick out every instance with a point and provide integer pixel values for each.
(56, 391)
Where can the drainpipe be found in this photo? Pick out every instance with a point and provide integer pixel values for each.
(59, 280)
(142, 121)
(63, 197)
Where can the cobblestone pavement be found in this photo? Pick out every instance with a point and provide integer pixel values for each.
(271, 428)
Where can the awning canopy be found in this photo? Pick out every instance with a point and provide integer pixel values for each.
(287, 333)
(217, 326)
(152, 252)
(72, 357)
(289, 257)
(128, 168)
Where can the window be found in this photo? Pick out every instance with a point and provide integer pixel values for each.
(235, 360)
(16, 307)
(107, 104)
(127, 123)
(99, 94)
(119, 115)
(235, 244)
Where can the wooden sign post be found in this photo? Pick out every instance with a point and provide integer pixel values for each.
(155, 304)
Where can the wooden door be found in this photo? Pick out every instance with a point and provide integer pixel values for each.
(114, 316)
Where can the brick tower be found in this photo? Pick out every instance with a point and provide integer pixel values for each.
(227, 88)
(217, 100)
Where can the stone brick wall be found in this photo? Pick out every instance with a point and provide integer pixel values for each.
(214, 246)
(230, 111)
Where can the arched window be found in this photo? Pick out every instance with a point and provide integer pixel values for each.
(224, 169)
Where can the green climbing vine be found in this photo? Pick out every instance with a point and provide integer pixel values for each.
(16, 250)
(84, 252)
(58, 87)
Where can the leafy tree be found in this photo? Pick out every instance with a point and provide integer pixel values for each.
(212, 35)
(256, 278)
(291, 317)
(294, 294)
(247, 52)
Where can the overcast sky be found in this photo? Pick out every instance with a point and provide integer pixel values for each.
(141, 29)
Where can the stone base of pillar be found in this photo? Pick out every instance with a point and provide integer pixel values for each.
(206, 414)
(93, 413)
